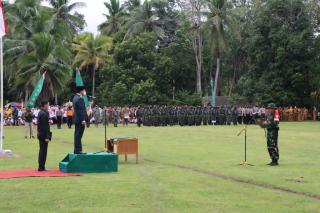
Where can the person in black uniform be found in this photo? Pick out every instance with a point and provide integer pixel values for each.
(79, 119)
(44, 134)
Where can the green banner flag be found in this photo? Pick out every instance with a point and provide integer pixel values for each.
(36, 92)
(212, 93)
(79, 83)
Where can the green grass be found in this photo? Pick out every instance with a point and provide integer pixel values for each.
(160, 187)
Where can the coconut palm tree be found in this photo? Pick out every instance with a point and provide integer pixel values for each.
(115, 18)
(18, 44)
(144, 19)
(20, 17)
(218, 21)
(92, 52)
(45, 55)
(39, 39)
(63, 20)
(131, 5)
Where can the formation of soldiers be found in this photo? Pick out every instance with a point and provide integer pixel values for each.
(195, 116)
(162, 115)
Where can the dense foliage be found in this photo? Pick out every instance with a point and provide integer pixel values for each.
(167, 51)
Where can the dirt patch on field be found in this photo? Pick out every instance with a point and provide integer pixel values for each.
(297, 180)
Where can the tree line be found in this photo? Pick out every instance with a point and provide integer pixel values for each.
(167, 51)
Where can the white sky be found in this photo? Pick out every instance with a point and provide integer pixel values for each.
(93, 13)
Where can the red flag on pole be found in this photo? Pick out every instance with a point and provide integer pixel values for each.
(3, 27)
(277, 116)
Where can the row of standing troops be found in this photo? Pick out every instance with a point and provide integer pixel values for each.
(196, 116)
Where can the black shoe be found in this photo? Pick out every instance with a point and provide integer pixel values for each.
(42, 170)
(80, 153)
(274, 163)
(269, 164)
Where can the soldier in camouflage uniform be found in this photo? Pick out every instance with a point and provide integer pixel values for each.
(161, 116)
(148, 121)
(205, 115)
(139, 115)
(175, 116)
(166, 116)
(190, 116)
(213, 116)
(222, 116)
(198, 116)
(182, 116)
(234, 116)
(228, 115)
(272, 134)
(171, 116)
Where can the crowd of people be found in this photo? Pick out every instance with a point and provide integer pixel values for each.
(153, 115)
(299, 114)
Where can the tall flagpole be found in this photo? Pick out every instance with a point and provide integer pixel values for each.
(3, 30)
(2, 108)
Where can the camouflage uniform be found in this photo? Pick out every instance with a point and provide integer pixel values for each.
(198, 116)
(180, 116)
(228, 115)
(191, 115)
(234, 116)
(139, 115)
(272, 127)
(205, 115)
(272, 138)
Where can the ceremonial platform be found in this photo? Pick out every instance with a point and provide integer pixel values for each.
(89, 163)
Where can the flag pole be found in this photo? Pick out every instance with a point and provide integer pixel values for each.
(213, 104)
(2, 109)
(3, 30)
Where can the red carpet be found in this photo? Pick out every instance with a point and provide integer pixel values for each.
(33, 173)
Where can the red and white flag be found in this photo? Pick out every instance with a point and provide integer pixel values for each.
(277, 116)
(3, 27)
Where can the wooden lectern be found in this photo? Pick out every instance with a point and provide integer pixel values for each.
(123, 146)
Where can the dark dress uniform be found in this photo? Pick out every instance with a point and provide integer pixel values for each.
(79, 118)
(43, 134)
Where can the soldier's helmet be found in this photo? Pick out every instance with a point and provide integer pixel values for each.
(271, 106)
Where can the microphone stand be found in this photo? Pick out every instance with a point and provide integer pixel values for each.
(105, 130)
(245, 162)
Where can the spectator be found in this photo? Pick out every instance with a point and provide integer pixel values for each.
(59, 115)
(28, 117)
(69, 116)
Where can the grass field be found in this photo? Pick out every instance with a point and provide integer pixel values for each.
(181, 169)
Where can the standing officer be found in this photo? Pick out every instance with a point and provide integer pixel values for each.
(271, 124)
(44, 134)
(79, 118)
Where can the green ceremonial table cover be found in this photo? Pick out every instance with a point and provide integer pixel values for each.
(89, 163)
